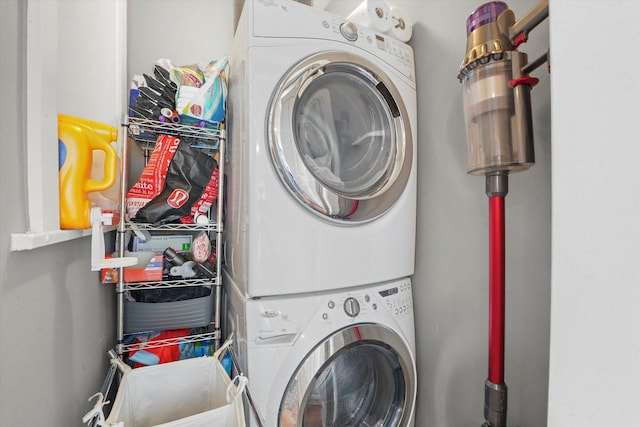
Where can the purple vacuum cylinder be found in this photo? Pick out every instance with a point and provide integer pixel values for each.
(484, 14)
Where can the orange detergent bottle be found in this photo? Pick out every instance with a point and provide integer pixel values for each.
(78, 138)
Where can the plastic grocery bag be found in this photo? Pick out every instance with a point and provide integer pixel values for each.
(187, 393)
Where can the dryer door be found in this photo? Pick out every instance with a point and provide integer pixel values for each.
(339, 137)
(362, 375)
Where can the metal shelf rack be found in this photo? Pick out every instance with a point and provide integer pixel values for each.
(211, 139)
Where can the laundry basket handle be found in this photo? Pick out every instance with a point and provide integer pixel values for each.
(252, 404)
(95, 416)
(223, 348)
(234, 390)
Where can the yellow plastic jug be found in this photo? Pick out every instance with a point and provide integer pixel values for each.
(78, 138)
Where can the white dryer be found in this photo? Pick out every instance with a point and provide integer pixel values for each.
(344, 358)
(321, 179)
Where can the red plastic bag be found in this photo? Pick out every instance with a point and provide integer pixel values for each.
(168, 353)
(179, 181)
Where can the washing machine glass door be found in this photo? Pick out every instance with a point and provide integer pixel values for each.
(360, 376)
(339, 137)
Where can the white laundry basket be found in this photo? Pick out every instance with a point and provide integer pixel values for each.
(187, 393)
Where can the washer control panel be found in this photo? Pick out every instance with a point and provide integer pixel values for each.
(280, 320)
(398, 299)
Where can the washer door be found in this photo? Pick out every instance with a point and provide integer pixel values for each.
(339, 137)
(362, 375)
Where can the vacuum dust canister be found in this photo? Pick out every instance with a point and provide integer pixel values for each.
(496, 97)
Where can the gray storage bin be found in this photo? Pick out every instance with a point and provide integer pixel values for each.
(191, 313)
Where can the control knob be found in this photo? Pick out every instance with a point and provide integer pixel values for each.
(351, 307)
(349, 31)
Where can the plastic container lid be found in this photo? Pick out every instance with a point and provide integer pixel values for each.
(484, 14)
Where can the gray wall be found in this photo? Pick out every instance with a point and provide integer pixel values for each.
(451, 279)
(56, 321)
(187, 38)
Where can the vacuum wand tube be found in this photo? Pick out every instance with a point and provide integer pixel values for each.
(497, 108)
(495, 407)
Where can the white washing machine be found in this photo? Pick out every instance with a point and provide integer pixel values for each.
(341, 358)
(321, 179)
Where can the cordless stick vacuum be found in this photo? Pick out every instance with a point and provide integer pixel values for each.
(497, 106)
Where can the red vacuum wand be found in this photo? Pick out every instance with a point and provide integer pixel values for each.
(495, 407)
(496, 289)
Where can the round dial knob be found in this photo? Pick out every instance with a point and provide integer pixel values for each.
(349, 31)
(351, 307)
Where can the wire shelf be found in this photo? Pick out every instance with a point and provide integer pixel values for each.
(181, 283)
(145, 132)
(138, 126)
(211, 226)
(208, 336)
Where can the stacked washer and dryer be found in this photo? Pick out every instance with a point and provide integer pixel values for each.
(320, 221)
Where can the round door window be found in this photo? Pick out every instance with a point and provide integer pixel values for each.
(339, 137)
(363, 383)
(345, 133)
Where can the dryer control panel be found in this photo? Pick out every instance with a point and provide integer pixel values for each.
(289, 19)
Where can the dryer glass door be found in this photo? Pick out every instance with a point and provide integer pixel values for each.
(339, 137)
(344, 131)
(361, 376)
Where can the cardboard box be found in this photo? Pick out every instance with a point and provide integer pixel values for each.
(158, 243)
(151, 273)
